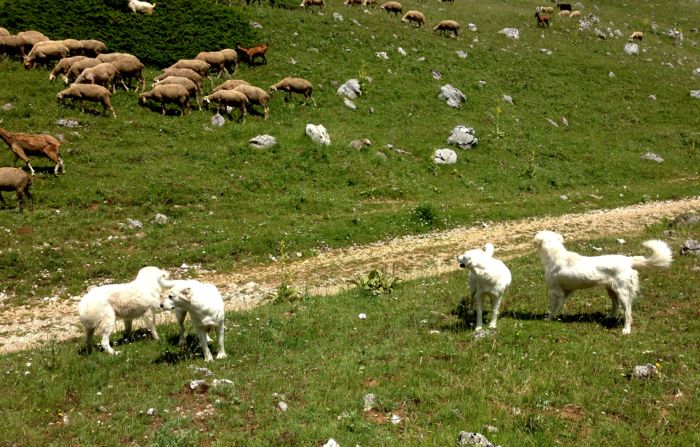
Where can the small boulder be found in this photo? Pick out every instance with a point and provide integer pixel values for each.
(263, 141)
(318, 133)
(350, 89)
(695, 94)
(511, 33)
(453, 96)
(445, 157)
(161, 219)
(645, 371)
(349, 104)
(652, 157)
(360, 144)
(471, 438)
(632, 49)
(217, 120)
(463, 137)
(690, 247)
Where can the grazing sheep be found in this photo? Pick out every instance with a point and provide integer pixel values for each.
(542, 20)
(104, 74)
(368, 3)
(169, 93)
(43, 53)
(230, 84)
(191, 87)
(295, 85)
(576, 13)
(448, 25)
(416, 17)
(31, 38)
(129, 67)
(230, 60)
(251, 53)
(637, 35)
(197, 65)
(93, 47)
(183, 73)
(24, 144)
(142, 7)
(64, 65)
(15, 179)
(77, 68)
(352, 2)
(215, 60)
(75, 48)
(257, 96)
(545, 9)
(12, 45)
(392, 7)
(4, 32)
(564, 13)
(229, 98)
(88, 92)
(320, 3)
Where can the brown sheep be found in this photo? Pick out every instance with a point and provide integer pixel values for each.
(308, 3)
(64, 65)
(104, 74)
(416, 17)
(295, 85)
(14, 179)
(256, 95)
(31, 38)
(88, 92)
(77, 68)
(182, 72)
(225, 60)
(368, 3)
(392, 7)
(129, 67)
(75, 48)
(4, 32)
(93, 47)
(229, 98)
(24, 144)
(169, 93)
(637, 35)
(12, 45)
(197, 65)
(191, 87)
(250, 53)
(43, 53)
(447, 26)
(352, 2)
(230, 60)
(230, 84)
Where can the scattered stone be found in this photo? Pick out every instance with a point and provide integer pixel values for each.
(565, 121)
(600, 34)
(397, 150)
(463, 137)
(511, 33)
(617, 33)
(686, 219)
(452, 95)
(331, 443)
(564, 197)
(470, 438)
(645, 371)
(482, 84)
(249, 287)
(161, 219)
(695, 94)
(218, 120)
(370, 400)
(445, 157)
(652, 97)
(67, 122)
(360, 144)
(282, 406)
(395, 419)
(690, 247)
(350, 89)
(546, 51)
(263, 141)
(401, 51)
(461, 54)
(382, 55)
(611, 74)
(349, 104)
(632, 49)
(507, 99)
(7, 107)
(337, 16)
(491, 428)
(652, 157)
(195, 384)
(362, 316)
(202, 371)
(318, 133)
(133, 223)
(255, 25)
(356, 22)
(151, 412)
(552, 122)
(436, 75)
(696, 72)
(471, 27)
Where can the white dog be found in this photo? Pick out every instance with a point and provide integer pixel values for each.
(566, 271)
(206, 308)
(487, 276)
(100, 307)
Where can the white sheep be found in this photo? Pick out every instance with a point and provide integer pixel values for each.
(295, 85)
(45, 52)
(15, 179)
(229, 98)
(88, 92)
(64, 65)
(93, 47)
(191, 87)
(104, 74)
(182, 72)
(320, 3)
(169, 93)
(564, 13)
(77, 68)
(575, 13)
(416, 17)
(230, 84)
(256, 95)
(447, 26)
(142, 7)
(637, 35)
(31, 38)
(197, 65)
(392, 7)
(129, 67)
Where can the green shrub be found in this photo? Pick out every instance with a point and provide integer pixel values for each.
(376, 283)
(177, 29)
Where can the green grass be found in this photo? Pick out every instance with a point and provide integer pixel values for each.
(539, 383)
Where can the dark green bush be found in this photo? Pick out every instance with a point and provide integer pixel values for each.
(177, 29)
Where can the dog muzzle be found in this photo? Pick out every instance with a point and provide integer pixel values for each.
(462, 266)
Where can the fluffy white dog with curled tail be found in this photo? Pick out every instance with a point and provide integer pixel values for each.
(206, 308)
(101, 306)
(487, 277)
(566, 272)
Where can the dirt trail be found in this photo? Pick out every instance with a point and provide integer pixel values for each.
(410, 257)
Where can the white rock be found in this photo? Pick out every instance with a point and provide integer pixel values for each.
(151, 412)
(462, 54)
(511, 33)
(401, 51)
(507, 99)
(362, 316)
(255, 25)
(436, 75)
(318, 133)
(477, 439)
(463, 137)
(282, 406)
(395, 419)
(370, 400)
(645, 371)
(350, 89)
(565, 121)
(652, 157)
(471, 27)
(197, 383)
(632, 49)
(552, 122)
(221, 382)
(695, 94)
(331, 443)
(217, 120)
(349, 104)
(133, 223)
(696, 72)
(263, 141)
(445, 157)
(652, 97)
(611, 74)
(161, 219)
(337, 16)
(382, 55)
(482, 84)
(452, 95)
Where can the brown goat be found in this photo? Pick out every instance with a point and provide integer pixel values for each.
(251, 53)
(14, 179)
(23, 145)
(542, 20)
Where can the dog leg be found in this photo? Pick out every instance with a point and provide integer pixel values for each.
(127, 329)
(556, 302)
(180, 314)
(202, 334)
(495, 304)
(220, 351)
(615, 303)
(479, 311)
(105, 327)
(151, 323)
(88, 339)
(626, 304)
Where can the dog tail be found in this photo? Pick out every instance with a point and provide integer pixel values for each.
(661, 256)
(166, 283)
(489, 249)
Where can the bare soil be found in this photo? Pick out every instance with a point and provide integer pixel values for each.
(55, 319)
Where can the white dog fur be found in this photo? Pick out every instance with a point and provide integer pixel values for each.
(206, 308)
(487, 277)
(100, 307)
(566, 271)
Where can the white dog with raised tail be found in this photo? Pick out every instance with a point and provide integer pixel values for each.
(487, 277)
(101, 306)
(206, 308)
(566, 272)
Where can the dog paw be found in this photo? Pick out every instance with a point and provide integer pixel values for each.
(626, 331)
(221, 355)
(478, 328)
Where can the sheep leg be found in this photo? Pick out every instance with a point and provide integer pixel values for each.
(29, 196)
(2, 200)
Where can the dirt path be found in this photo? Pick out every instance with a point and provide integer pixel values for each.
(409, 257)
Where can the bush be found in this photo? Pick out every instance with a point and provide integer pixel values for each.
(177, 29)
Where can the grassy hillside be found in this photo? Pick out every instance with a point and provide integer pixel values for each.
(564, 383)
(229, 204)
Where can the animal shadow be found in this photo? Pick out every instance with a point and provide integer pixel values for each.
(174, 353)
(594, 317)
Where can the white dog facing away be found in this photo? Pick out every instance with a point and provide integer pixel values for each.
(206, 308)
(566, 272)
(100, 307)
(487, 277)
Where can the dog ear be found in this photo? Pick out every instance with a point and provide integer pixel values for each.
(186, 294)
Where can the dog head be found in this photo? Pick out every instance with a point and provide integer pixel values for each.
(152, 274)
(179, 296)
(546, 237)
(473, 257)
